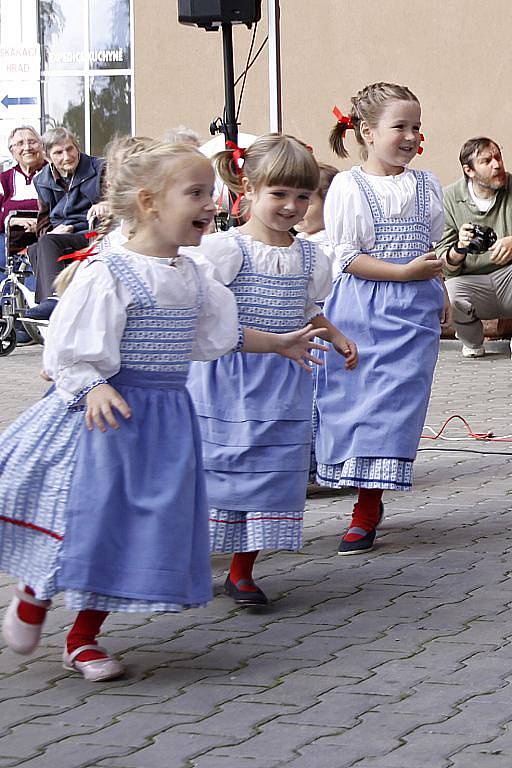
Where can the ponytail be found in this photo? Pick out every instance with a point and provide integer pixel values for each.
(228, 170)
(337, 135)
(336, 140)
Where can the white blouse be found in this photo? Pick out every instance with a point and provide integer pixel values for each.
(348, 218)
(85, 329)
(321, 240)
(222, 252)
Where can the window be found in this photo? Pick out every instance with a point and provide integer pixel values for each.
(86, 72)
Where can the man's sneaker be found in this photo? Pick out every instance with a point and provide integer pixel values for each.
(472, 351)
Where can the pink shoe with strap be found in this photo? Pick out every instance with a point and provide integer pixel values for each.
(105, 668)
(23, 636)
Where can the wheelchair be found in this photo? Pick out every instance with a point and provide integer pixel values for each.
(15, 296)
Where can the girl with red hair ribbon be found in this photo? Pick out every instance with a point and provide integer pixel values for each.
(381, 218)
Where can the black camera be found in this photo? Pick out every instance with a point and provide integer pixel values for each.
(483, 239)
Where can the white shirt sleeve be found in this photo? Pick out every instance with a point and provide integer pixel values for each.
(223, 254)
(436, 208)
(320, 283)
(85, 330)
(348, 220)
(218, 330)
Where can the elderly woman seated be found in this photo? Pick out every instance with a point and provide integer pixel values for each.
(17, 189)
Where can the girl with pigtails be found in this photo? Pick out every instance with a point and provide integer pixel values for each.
(382, 218)
(255, 414)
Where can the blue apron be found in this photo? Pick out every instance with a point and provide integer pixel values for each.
(255, 410)
(378, 409)
(137, 522)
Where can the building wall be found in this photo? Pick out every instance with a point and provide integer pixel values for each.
(456, 56)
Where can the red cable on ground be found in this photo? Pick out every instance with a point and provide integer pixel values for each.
(487, 437)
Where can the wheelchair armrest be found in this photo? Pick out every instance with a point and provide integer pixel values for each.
(18, 214)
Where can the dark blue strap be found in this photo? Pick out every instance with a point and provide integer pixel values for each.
(247, 263)
(369, 194)
(422, 195)
(125, 272)
(199, 284)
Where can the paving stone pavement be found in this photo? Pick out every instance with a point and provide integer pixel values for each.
(398, 659)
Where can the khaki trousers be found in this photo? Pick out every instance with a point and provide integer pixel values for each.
(479, 297)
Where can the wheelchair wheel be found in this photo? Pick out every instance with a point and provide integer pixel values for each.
(8, 344)
(32, 329)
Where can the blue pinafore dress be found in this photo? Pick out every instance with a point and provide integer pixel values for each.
(370, 419)
(119, 520)
(255, 417)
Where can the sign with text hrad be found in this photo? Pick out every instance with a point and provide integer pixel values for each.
(20, 67)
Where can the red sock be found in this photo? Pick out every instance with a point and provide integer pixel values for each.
(366, 514)
(241, 568)
(83, 632)
(31, 614)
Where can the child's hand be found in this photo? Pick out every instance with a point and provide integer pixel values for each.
(297, 345)
(347, 348)
(100, 402)
(44, 375)
(424, 267)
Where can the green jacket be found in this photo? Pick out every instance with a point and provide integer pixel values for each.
(460, 209)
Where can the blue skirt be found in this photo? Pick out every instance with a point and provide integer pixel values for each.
(133, 522)
(255, 417)
(378, 410)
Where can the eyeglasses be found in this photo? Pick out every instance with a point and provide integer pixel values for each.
(20, 144)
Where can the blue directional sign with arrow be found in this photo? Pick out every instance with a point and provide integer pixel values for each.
(15, 101)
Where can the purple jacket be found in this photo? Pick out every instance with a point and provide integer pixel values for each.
(11, 181)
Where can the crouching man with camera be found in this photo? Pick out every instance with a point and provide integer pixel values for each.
(476, 247)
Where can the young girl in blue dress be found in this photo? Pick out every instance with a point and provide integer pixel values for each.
(102, 492)
(381, 218)
(255, 413)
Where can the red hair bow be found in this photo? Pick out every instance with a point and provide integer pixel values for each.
(83, 253)
(342, 119)
(420, 148)
(238, 156)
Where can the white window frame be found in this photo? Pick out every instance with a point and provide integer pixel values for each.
(87, 73)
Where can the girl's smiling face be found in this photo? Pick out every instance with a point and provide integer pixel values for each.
(185, 209)
(178, 215)
(274, 211)
(394, 141)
